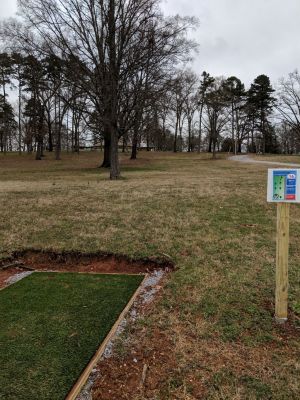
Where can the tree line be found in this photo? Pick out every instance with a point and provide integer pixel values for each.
(113, 74)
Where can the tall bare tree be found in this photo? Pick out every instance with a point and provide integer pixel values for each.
(107, 42)
(205, 83)
(289, 100)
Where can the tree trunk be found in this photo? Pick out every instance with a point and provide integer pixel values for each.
(134, 146)
(39, 137)
(200, 128)
(50, 138)
(213, 148)
(38, 155)
(124, 144)
(58, 141)
(148, 141)
(19, 120)
(176, 133)
(180, 137)
(210, 144)
(68, 144)
(58, 144)
(237, 143)
(232, 129)
(4, 139)
(114, 155)
(112, 92)
(106, 157)
(190, 134)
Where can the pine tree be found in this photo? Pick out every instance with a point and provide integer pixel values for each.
(5, 79)
(261, 102)
(8, 124)
(18, 75)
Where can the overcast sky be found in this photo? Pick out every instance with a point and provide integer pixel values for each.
(245, 38)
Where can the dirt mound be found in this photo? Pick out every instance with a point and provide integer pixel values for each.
(38, 260)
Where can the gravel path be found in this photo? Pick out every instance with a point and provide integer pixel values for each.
(247, 159)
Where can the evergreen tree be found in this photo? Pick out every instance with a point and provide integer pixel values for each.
(18, 75)
(6, 70)
(8, 125)
(34, 76)
(5, 79)
(261, 102)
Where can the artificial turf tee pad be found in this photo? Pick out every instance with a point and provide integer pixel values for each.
(51, 324)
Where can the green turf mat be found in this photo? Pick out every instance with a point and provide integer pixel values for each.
(51, 324)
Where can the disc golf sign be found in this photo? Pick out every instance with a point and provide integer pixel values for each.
(283, 189)
(283, 185)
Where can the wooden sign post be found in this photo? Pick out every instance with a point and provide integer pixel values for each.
(282, 255)
(283, 189)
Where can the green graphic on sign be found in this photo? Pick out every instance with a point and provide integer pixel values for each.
(284, 185)
(279, 183)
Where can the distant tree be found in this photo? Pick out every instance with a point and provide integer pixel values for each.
(205, 83)
(288, 138)
(5, 79)
(234, 92)
(108, 42)
(217, 115)
(34, 113)
(183, 88)
(289, 101)
(8, 125)
(6, 69)
(18, 63)
(164, 109)
(190, 106)
(261, 103)
(34, 83)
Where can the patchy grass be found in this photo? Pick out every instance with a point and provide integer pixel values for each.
(294, 159)
(51, 324)
(212, 219)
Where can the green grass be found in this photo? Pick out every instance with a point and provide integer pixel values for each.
(51, 324)
(212, 219)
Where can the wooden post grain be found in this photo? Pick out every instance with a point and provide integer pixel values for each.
(282, 252)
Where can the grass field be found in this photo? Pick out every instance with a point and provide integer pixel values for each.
(212, 219)
(51, 324)
(294, 159)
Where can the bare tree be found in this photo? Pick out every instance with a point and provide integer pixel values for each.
(205, 84)
(190, 105)
(107, 42)
(289, 100)
(217, 115)
(182, 88)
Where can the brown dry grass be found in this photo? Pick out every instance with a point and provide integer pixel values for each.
(212, 219)
(294, 159)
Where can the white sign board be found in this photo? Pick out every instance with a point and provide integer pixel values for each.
(283, 186)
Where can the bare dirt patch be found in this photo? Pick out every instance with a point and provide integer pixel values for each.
(92, 263)
(142, 372)
(154, 368)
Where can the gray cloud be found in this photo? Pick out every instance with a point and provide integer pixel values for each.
(237, 37)
(8, 8)
(244, 38)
